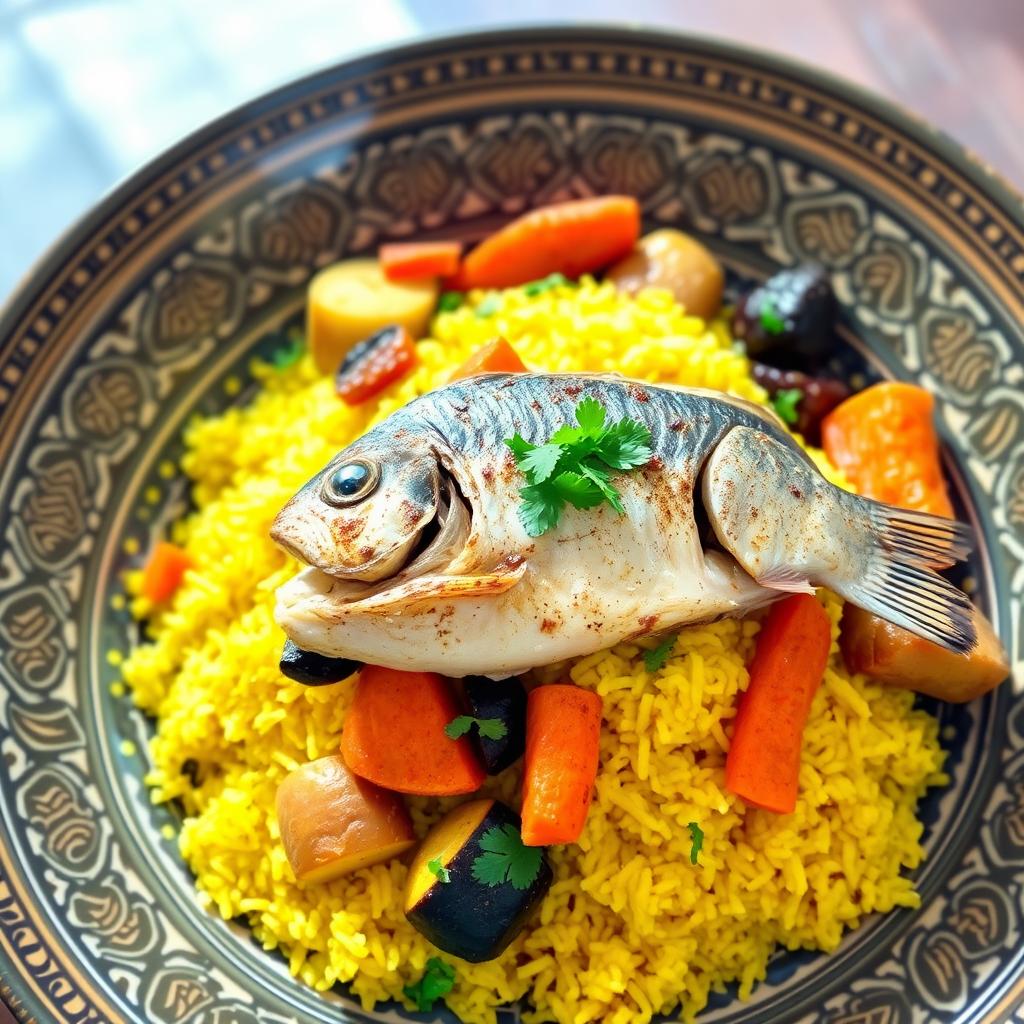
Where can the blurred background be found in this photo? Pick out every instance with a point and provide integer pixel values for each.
(89, 89)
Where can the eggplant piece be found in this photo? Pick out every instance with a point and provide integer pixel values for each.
(504, 700)
(817, 397)
(895, 657)
(313, 669)
(789, 318)
(333, 823)
(464, 916)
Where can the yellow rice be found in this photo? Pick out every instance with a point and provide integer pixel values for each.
(630, 928)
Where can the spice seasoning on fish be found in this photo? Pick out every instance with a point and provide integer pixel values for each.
(573, 466)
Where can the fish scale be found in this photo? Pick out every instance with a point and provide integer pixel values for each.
(432, 570)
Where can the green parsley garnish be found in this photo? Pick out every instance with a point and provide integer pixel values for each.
(545, 284)
(448, 302)
(489, 306)
(574, 466)
(770, 319)
(289, 354)
(437, 981)
(506, 859)
(785, 402)
(489, 728)
(696, 840)
(439, 871)
(656, 658)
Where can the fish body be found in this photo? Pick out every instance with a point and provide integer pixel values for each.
(432, 569)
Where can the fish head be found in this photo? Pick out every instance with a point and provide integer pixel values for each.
(361, 517)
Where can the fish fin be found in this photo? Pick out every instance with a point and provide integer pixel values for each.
(438, 588)
(919, 600)
(919, 539)
(789, 581)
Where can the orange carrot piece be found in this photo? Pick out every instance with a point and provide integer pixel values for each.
(393, 735)
(496, 356)
(884, 440)
(570, 238)
(563, 738)
(164, 571)
(763, 763)
(414, 261)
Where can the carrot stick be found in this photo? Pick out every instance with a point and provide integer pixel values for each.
(563, 737)
(570, 238)
(414, 261)
(164, 571)
(393, 735)
(763, 763)
(884, 440)
(496, 356)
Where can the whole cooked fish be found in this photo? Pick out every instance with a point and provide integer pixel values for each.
(418, 559)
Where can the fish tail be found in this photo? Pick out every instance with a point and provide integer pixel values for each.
(901, 584)
(792, 530)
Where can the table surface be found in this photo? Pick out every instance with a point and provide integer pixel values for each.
(76, 118)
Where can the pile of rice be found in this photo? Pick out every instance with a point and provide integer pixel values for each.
(630, 927)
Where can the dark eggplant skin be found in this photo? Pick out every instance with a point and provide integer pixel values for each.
(788, 320)
(471, 920)
(504, 699)
(314, 669)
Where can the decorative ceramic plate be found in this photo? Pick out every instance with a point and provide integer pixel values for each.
(150, 308)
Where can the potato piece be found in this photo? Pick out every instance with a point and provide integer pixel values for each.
(349, 301)
(670, 259)
(891, 655)
(333, 823)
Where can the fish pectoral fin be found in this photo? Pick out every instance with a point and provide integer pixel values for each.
(439, 588)
(789, 581)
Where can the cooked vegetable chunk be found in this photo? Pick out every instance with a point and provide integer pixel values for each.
(563, 739)
(497, 356)
(494, 882)
(313, 669)
(890, 655)
(164, 571)
(350, 300)
(571, 238)
(678, 262)
(374, 363)
(502, 701)
(763, 763)
(884, 440)
(790, 317)
(414, 261)
(394, 735)
(333, 823)
(801, 400)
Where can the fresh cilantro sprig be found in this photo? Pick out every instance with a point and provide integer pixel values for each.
(289, 354)
(506, 859)
(772, 323)
(576, 464)
(785, 404)
(696, 841)
(656, 658)
(489, 728)
(439, 871)
(437, 981)
(545, 284)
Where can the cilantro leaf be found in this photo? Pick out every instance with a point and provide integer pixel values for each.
(539, 463)
(437, 981)
(545, 284)
(439, 871)
(656, 658)
(459, 726)
(448, 302)
(696, 840)
(576, 464)
(770, 319)
(489, 728)
(506, 859)
(590, 415)
(785, 404)
(289, 354)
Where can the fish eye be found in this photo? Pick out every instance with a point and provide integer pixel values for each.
(350, 483)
